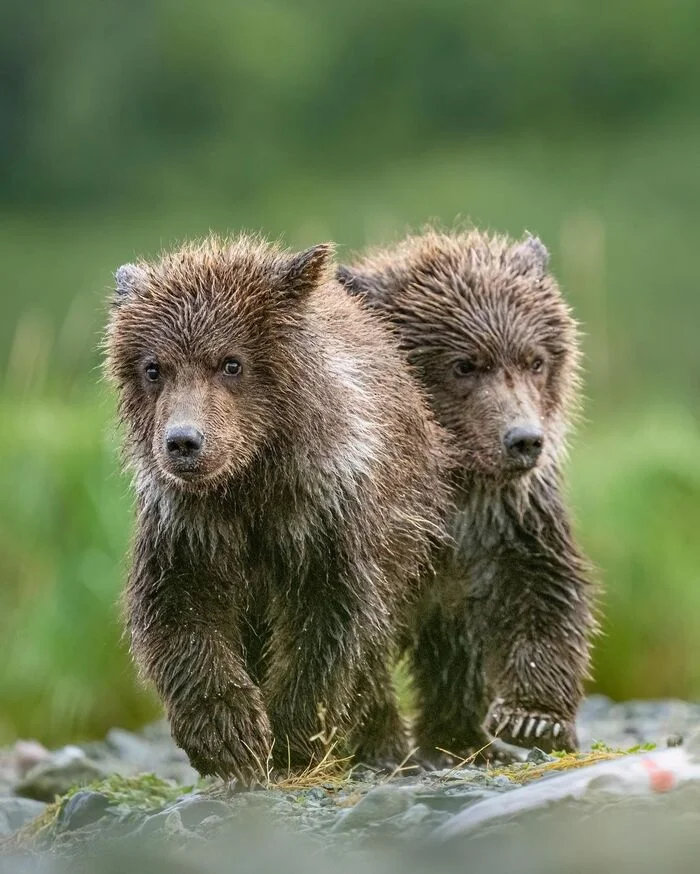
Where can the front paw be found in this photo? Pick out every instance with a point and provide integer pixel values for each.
(224, 741)
(530, 728)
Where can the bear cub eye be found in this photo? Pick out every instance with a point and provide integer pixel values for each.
(152, 372)
(232, 367)
(464, 367)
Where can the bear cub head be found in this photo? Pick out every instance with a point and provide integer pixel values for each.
(203, 347)
(487, 331)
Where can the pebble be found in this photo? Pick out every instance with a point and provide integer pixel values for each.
(28, 753)
(536, 756)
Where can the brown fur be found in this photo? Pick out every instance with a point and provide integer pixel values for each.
(502, 646)
(271, 574)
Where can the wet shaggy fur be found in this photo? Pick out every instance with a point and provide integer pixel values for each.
(274, 564)
(502, 645)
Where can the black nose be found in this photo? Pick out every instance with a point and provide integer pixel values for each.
(524, 444)
(183, 441)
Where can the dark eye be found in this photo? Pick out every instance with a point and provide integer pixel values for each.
(232, 367)
(464, 367)
(537, 365)
(152, 372)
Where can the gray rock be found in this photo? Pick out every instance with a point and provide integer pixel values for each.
(193, 809)
(130, 747)
(17, 812)
(174, 827)
(27, 754)
(83, 808)
(376, 806)
(501, 782)
(127, 753)
(452, 799)
(536, 756)
(411, 818)
(186, 815)
(64, 769)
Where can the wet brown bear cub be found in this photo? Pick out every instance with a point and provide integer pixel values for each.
(502, 647)
(287, 473)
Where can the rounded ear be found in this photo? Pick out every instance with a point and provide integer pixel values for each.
(127, 278)
(305, 270)
(353, 281)
(531, 254)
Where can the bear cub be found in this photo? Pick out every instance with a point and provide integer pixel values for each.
(288, 479)
(502, 643)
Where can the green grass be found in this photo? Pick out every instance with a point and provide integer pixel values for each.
(636, 486)
(64, 530)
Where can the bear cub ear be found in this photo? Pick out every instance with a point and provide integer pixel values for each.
(352, 281)
(127, 280)
(531, 254)
(304, 271)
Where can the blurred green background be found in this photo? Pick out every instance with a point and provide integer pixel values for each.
(126, 126)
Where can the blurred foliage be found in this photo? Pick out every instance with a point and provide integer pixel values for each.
(96, 97)
(63, 540)
(125, 126)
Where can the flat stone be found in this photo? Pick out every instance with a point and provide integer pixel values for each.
(185, 815)
(536, 756)
(83, 808)
(194, 809)
(17, 812)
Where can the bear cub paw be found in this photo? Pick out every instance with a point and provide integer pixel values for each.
(530, 728)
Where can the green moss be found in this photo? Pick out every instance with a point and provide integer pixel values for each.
(145, 792)
(600, 746)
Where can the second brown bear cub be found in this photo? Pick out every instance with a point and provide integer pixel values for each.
(503, 647)
(288, 479)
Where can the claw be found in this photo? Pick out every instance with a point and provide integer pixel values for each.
(541, 727)
(529, 726)
(501, 725)
(556, 731)
(518, 724)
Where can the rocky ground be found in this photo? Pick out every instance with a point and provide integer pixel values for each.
(104, 796)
